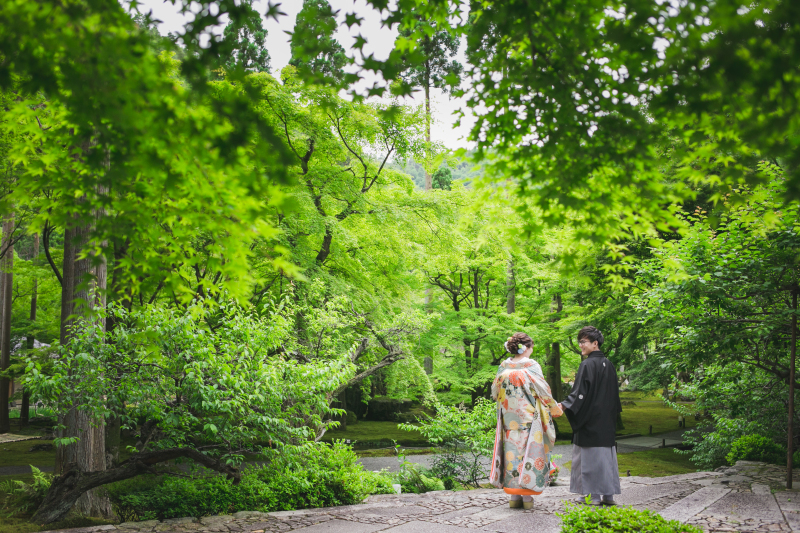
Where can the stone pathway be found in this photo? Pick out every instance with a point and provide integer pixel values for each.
(8, 437)
(748, 497)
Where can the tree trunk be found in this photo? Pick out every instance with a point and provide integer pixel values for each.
(24, 411)
(122, 295)
(325, 248)
(6, 293)
(84, 286)
(553, 355)
(428, 176)
(511, 291)
(554, 372)
(343, 405)
(793, 353)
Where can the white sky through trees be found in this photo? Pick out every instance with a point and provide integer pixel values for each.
(379, 41)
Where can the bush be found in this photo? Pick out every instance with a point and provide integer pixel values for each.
(312, 476)
(709, 450)
(756, 448)
(417, 480)
(351, 418)
(581, 518)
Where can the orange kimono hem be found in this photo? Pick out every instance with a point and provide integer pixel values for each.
(521, 492)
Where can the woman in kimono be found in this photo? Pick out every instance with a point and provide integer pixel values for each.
(525, 436)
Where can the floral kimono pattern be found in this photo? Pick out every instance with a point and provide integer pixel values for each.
(525, 432)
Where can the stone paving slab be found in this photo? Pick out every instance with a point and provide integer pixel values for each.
(341, 526)
(742, 505)
(423, 527)
(5, 438)
(687, 507)
(534, 522)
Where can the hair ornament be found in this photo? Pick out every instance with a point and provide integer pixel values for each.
(522, 349)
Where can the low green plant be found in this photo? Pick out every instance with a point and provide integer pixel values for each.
(20, 498)
(756, 448)
(582, 518)
(415, 479)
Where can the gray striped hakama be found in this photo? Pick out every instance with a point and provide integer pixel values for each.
(594, 471)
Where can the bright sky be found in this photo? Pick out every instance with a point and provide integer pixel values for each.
(379, 42)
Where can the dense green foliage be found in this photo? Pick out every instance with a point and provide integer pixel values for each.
(190, 382)
(581, 518)
(756, 448)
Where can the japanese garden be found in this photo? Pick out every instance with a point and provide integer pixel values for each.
(260, 263)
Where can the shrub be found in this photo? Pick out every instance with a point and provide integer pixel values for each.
(318, 475)
(756, 448)
(352, 419)
(709, 450)
(581, 518)
(414, 479)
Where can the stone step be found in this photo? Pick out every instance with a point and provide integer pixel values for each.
(693, 504)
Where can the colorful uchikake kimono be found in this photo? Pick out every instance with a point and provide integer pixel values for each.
(525, 432)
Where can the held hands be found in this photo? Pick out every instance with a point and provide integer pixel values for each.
(562, 411)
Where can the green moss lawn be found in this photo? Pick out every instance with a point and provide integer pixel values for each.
(639, 418)
(17, 454)
(367, 434)
(653, 463)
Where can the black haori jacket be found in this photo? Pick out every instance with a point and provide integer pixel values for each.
(593, 405)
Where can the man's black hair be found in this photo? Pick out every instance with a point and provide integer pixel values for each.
(592, 334)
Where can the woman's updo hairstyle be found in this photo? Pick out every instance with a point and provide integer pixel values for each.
(518, 343)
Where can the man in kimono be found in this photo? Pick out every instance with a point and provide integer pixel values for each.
(592, 408)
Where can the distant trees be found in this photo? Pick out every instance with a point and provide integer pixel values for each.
(244, 42)
(430, 66)
(315, 52)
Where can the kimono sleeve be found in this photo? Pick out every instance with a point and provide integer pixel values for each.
(542, 391)
(574, 403)
(496, 384)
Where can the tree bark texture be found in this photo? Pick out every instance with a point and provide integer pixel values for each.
(511, 292)
(428, 176)
(6, 293)
(83, 287)
(554, 372)
(75, 482)
(24, 412)
(793, 354)
(553, 356)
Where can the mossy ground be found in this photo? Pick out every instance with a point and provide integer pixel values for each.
(639, 418)
(17, 454)
(653, 463)
(367, 434)
(23, 525)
